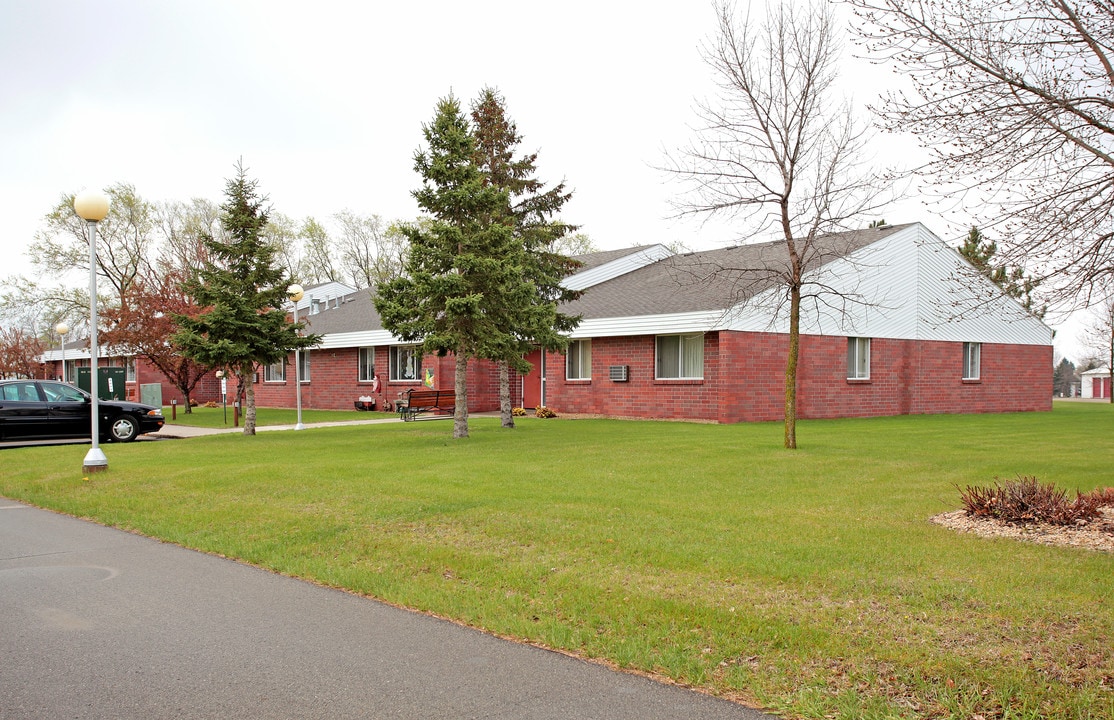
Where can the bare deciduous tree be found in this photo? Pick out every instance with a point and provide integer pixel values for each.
(776, 151)
(125, 241)
(371, 251)
(575, 244)
(1015, 98)
(182, 226)
(281, 233)
(317, 253)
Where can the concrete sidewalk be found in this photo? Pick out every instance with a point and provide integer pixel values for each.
(171, 430)
(99, 623)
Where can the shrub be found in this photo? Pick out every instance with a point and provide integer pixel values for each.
(544, 412)
(1104, 496)
(1027, 500)
(518, 412)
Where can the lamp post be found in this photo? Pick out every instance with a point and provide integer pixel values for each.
(223, 394)
(295, 293)
(92, 207)
(62, 328)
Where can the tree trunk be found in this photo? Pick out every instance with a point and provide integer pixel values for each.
(249, 404)
(460, 414)
(186, 387)
(791, 367)
(505, 410)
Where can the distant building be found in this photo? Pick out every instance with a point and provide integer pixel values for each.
(1095, 383)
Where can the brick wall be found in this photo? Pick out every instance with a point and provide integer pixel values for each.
(744, 380)
(334, 382)
(641, 395)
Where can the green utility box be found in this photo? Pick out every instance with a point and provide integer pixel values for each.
(112, 382)
(151, 394)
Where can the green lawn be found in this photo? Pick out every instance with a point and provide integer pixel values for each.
(218, 418)
(808, 582)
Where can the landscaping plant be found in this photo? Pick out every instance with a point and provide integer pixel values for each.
(1027, 500)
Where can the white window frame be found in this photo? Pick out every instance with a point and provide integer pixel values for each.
(129, 365)
(858, 358)
(303, 359)
(366, 369)
(413, 358)
(972, 361)
(694, 343)
(275, 372)
(578, 360)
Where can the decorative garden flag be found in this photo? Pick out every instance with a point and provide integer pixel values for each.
(429, 378)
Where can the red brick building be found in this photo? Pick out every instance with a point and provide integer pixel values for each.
(894, 322)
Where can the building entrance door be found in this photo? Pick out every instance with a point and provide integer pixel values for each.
(533, 383)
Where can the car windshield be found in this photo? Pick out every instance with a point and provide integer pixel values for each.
(61, 392)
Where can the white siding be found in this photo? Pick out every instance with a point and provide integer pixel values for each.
(367, 338)
(908, 286)
(648, 325)
(327, 295)
(1087, 381)
(621, 266)
(957, 303)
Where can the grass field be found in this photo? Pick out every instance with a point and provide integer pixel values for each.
(809, 582)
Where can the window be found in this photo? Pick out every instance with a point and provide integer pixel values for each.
(367, 364)
(19, 392)
(578, 361)
(59, 392)
(972, 356)
(406, 362)
(858, 358)
(275, 372)
(680, 357)
(303, 365)
(129, 363)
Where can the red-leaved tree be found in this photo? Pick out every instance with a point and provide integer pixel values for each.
(145, 327)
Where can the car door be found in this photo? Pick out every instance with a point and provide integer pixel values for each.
(23, 413)
(68, 409)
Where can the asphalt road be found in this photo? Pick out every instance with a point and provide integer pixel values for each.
(99, 623)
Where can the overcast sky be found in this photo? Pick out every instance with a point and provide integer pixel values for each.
(324, 102)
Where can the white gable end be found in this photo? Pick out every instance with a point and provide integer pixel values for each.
(908, 286)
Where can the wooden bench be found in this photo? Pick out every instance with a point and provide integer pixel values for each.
(413, 402)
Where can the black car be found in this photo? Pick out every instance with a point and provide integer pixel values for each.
(40, 409)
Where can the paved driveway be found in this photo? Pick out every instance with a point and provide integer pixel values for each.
(98, 623)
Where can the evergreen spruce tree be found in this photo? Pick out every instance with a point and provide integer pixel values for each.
(1014, 282)
(529, 304)
(449, 293)
(243, 289)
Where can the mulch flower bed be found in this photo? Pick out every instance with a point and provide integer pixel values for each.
(1095, 535)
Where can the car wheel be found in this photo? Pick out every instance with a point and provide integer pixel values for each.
(124, 428)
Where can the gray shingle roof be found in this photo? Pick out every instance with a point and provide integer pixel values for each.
(706, 280)
(711, 279)
(356, 313)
